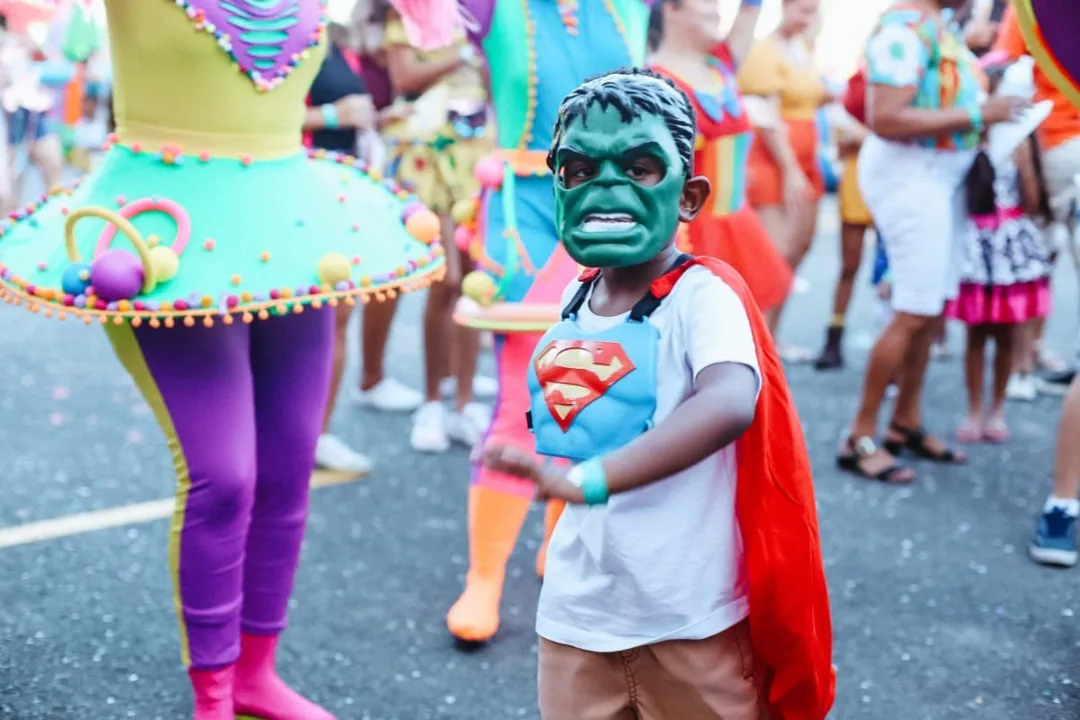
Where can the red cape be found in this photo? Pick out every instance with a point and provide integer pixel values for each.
(790, 625)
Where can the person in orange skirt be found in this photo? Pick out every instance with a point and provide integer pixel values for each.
(688, 48)
(783, 91)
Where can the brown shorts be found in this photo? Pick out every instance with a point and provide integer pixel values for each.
(712, 679)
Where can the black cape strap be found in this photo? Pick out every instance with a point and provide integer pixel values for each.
(645, 307)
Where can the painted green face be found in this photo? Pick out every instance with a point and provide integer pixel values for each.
(617, 188)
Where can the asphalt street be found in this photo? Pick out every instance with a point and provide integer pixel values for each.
(938, 613)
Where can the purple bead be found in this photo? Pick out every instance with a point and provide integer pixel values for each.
(111, 306)
(117, 275)
(259, 297)
(152, 305)
(80, 301)
(410, 210)
(342, 286)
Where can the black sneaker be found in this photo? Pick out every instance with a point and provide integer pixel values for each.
(1056, 383)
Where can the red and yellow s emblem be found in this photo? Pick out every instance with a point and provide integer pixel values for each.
(574, 373)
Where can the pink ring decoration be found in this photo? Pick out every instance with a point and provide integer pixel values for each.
(169, 207)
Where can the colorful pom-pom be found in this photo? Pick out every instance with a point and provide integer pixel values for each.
(117, 275)
(489, 172)
(424, 226)
(166, 263)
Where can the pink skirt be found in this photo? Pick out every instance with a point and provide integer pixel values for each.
(1000, 304)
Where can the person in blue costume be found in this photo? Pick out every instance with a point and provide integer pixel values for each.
(685, 578)
(538, 51)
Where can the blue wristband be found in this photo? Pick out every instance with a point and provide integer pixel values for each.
(594, 485)
(975, 113)
(330, 116)
(752, 3)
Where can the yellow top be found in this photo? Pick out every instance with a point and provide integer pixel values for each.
(174, 85)
(466, 83)
(768, 72)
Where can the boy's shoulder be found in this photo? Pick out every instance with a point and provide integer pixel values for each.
(698, 278)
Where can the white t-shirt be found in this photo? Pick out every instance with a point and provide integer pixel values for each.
(664, 561)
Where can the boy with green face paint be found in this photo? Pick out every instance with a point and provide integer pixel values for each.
(684, 579)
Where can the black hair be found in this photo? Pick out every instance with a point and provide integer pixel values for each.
(979, 186)
(979, 183)
(1036, 164)
(633, 92)
(656, 22)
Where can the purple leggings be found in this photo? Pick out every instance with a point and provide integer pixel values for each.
(241, 407)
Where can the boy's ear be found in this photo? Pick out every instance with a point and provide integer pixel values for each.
(695, 192)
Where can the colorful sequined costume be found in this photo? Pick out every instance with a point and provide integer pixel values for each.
(538, 51)
(233, 241)
(728, 228)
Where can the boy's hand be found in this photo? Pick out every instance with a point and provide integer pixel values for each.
(551, 482)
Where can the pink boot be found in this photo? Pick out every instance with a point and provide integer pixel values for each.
(213, 693)
(259, 692)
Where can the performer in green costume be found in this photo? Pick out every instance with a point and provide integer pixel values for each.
(538, 51)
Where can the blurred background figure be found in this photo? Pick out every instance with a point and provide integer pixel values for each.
(443, 96)
(340, 111)
(32, 138)
(784, 90)
(688, 46)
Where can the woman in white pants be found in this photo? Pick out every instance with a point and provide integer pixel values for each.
(926, 109)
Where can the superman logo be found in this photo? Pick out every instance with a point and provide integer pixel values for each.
(574, 373)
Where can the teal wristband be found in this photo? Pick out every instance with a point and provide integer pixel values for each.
(976, 116)
(330, 116)
(594, 485)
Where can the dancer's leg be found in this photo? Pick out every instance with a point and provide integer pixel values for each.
(498, 503)
(342, 314)
(198, 383)
(1055, 535)
(331, 452)
(852, 241)
(291, 360)
(430, 425)
(378, 316)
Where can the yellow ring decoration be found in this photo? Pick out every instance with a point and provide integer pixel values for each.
(123, 225)
(1029, 28)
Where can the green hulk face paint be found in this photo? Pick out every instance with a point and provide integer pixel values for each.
(618, 188)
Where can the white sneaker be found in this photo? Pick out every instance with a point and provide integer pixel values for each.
(483, 387)
(469, 425)
(331, 453)
(1021, 387)
(390, 395)
(429, 429)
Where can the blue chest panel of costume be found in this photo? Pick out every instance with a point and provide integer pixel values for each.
(592, 393)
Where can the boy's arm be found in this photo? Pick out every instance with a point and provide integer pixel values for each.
(714, 417)
(721, 354)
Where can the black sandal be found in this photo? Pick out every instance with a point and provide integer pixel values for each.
(864, 447)
(915, 441)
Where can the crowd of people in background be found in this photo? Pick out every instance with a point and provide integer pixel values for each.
(961, 230)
